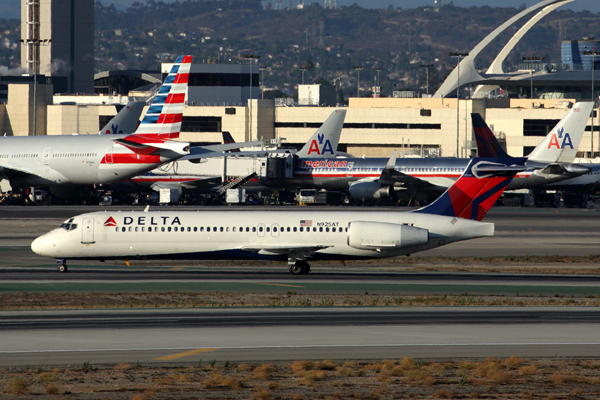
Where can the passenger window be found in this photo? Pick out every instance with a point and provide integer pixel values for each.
(149, 229)
(136, 228)
(123, 229)
(314, 229)
(195, 229)
(346, 229)
(242, 229)
(326, 229)
(234, 228)
(295, 229)
(301, 229)
(274, 229)
(227, 229)
(175, 228)
(169, 229)
(214, 228)
(254, 229)
(288, 228)
(202, 229)
(332, 229)
(162, 228)
(189, 229)
(268, 229)
(117, 229)
(221, 229)
(143, 229)
(321, 229)
(260, 229)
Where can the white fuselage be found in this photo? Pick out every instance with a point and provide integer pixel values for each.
(279, 235)
(75, 159)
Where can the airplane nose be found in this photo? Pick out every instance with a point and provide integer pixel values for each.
(42, 245)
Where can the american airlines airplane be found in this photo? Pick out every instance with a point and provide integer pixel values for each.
(295, 236)
(181, 174)
(127, 119)
(374, 179)
(52, 161)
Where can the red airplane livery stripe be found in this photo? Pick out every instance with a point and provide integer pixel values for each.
(169, 119)
(181, 78)
(133, 159)
(177, 98)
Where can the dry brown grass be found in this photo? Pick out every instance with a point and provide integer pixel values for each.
(51, 389)
(47, 377)
(18, 386)
(261, 394)
(443, 394)
(513, 362)
(122, 367)
(264, 371)
(303, 365)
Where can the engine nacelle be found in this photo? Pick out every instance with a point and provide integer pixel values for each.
(371, 191)
(381, 235)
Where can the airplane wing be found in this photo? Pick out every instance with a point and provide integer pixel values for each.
(216, 150)
(298, 252)
(390, 176)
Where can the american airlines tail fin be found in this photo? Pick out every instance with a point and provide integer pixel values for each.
(126, 121)
(487, 144)
(561, 144)
(476, 191)
(163, 118)
(325, 140)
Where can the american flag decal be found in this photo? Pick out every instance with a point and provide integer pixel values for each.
(306, 222)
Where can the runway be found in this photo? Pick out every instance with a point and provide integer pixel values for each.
(69, 337)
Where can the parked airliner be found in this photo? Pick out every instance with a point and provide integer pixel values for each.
(373, 179)
(52, 161)
(295, 236)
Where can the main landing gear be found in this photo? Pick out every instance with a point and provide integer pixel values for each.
(62, 265)
(299, 268)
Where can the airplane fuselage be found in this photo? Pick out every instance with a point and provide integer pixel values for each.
(253, 235)
(73, 160)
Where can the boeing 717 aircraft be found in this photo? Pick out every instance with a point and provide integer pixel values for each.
(374, 179)
(295, 236)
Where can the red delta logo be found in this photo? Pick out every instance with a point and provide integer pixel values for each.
(320, 148)
(560, 139)
(110, 222)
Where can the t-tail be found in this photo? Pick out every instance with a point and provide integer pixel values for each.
(487, 144)
(325, 140)
(163, 118)
(476, 191)
(127, 119)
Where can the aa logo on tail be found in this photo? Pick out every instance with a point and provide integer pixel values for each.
(320, 148)
(560, 139)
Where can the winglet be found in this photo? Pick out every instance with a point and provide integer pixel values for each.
(487, 144)
(561, 144)
(325, 140)
(476, 191)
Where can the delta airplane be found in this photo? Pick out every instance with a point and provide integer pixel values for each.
(295, 236)
(180, 174)
(374, 179)
(53, 161)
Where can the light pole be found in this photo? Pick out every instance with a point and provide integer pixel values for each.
(378, 69)
(303, 68)
(262, 81)
(35, 43)
(592, 53)
(532, 59)
(250, 57)
(426, 66)
(358, 68)
(458, 55)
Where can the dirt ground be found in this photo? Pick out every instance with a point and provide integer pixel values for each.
(511, 378)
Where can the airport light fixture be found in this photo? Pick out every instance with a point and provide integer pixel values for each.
(36, 43)
(592, 53)
(303, 69)
(458, 55)
(262, 81)
(378, 69)
(358, 68)
(532, 59)
(427, 66)
(253, 58)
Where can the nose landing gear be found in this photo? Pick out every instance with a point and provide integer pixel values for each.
(299, 268)
(62, 265)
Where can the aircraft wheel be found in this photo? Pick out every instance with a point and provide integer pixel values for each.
(62, 268)
(305, 267)
(295, 269)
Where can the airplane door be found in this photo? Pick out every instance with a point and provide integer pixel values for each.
(87, 234)
(261, 230)
(275, 230)
(46, 156)
(109, 155)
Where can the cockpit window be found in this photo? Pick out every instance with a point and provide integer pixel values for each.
(69, 225)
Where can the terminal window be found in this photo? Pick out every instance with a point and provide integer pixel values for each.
(538, 127)
(201, 124)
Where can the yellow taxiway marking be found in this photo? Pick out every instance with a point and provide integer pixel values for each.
(176, 269)
(277, 284)
(184, 354)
